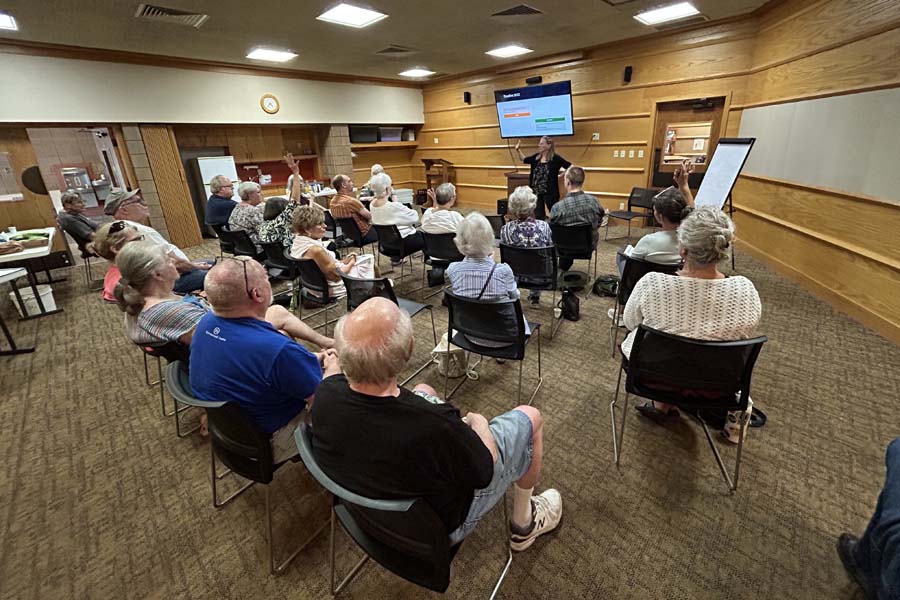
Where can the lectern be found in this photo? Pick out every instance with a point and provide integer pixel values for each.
(438, 171)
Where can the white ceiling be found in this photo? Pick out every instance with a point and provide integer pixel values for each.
(450, 37)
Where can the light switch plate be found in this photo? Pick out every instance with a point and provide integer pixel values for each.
(435, 140)
(615, 154)
(631, 154)
(640, 154)
(595, 136)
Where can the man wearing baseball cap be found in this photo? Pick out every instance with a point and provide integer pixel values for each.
(128, 206)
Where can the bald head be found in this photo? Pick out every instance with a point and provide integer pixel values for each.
(227, 289)
(375, 341)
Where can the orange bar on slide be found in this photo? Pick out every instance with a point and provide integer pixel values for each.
(514, 115)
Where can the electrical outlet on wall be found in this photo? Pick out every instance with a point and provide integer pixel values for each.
(631, 154)
(622, 153)
(640, 154)
(595, 136)
(615, 154)
(621, 206)
(435, 140)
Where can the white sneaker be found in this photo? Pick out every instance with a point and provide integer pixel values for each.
(605, 220)
(611, 313)
(546, 511)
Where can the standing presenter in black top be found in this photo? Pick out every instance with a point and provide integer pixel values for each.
(544, 178)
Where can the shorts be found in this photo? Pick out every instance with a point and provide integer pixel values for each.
(284, 446)
(513, 435)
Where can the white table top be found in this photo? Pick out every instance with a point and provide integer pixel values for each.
(10, 274)
(31, 252)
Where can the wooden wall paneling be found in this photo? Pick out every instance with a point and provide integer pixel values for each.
(823, 26)
(125, 162)
(733, 126)
(171, 185)
(866, 290)
(35, 210)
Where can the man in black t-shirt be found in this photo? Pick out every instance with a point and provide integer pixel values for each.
(383, 441)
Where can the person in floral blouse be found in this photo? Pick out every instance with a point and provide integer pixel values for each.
(522, 229)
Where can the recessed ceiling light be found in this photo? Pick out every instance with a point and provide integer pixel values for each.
(8, 22)
(509, 51)
(667, 13)
(417, 72)
(271, 55)
(352, 16)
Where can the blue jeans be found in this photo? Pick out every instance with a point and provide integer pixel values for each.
(190, 282)
(878, 551)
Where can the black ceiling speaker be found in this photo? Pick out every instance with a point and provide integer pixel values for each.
(626, 76)
(534, 80)
(467, 97)
(32, 180)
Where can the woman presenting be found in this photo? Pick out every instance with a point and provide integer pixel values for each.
(544, 178)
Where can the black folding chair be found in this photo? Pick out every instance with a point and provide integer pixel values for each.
(86, 255)
(178, 382)
(311, 287)
(331, 228)
(395, 246)
(404, 536)
(535, 269)
(226, 244)
(247, 451)
(172, 352)
(440, 251)
(359, 290)
(500, 322)
(638, 198)
(693, 375)
(635, 269)
(243, 245)
(497, 223)
(275, 263)
(575, 242)
(351, 230)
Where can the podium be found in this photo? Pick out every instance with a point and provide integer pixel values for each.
(438, 171)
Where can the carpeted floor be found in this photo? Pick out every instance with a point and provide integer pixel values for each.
(99, 499)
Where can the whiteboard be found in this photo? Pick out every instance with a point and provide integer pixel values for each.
(849, 143)
(210, 166)
(723, 171)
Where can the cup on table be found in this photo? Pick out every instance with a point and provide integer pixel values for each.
(13, 230)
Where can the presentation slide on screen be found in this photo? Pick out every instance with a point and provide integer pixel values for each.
(535, 111)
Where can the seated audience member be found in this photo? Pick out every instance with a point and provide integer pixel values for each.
(154, 314)
(669, 209)
(309, 229)
(278, 224)
(699, 302)
(345, 206)
(680, 178)
(387, 212)
(247, 214)
(874, 559)
(238, 356)
(380, 440)
(130, 208)
(439, 218)
(367, 189)
(577, 208)
(220, 203)
(107, 242)
(522, 229)
(73, 221)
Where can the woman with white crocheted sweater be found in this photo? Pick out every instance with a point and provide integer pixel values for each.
(699, 302)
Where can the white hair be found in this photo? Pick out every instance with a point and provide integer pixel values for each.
(379, 183)
(706, 235)
(444, 193)
(522, 202)
(247, 188)
(475, 236)
(376, 169)
(217, 183)
(376, 363)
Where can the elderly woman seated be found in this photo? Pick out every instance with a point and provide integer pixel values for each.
(155, 315)
(107, 242)
(309, 229)
(248, 214)
(478, 276)
(388, 212)
(699, 302)
(522, 229)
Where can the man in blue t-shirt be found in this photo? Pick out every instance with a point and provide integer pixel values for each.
(220, 203)
(237, 356)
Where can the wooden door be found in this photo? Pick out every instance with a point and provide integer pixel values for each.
(273, 144)
(237, 144)
(682, 116)
(256, 146)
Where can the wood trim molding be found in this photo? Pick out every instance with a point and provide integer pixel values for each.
(22, 47)
(612, 117)
(830, 93)
(821, 237)
(824, 190)
(842, 303)
(562, 144)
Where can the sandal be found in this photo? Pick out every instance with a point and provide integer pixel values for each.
(654, 414)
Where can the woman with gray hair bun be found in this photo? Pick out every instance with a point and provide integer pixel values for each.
(248, 214)
(522, 229)
(700, 302)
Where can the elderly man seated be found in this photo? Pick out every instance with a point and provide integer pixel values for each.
(238, 356)
(345, 206)
(577, 208)
(383, 441)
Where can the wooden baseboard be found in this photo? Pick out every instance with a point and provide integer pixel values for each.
(854, 310)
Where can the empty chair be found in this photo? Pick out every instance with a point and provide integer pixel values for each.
(535, 269)
(692, 375)
(574, 242)
(247, 451)
(397, 247)
(226, 244)
(407, 537)
(635, 268)
(638, 198)
(501, 324)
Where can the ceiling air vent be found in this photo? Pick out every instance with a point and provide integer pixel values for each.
(696, 20)
(174, 16)
(522, 10)
(396, 51)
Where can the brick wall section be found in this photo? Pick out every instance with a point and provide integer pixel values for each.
(135, 147)
(334, 151)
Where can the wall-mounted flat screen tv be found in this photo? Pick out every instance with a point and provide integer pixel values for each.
(535, 110)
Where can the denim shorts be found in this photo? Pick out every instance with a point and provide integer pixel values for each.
(513, 436)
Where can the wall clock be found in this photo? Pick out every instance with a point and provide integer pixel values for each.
(269, 103)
